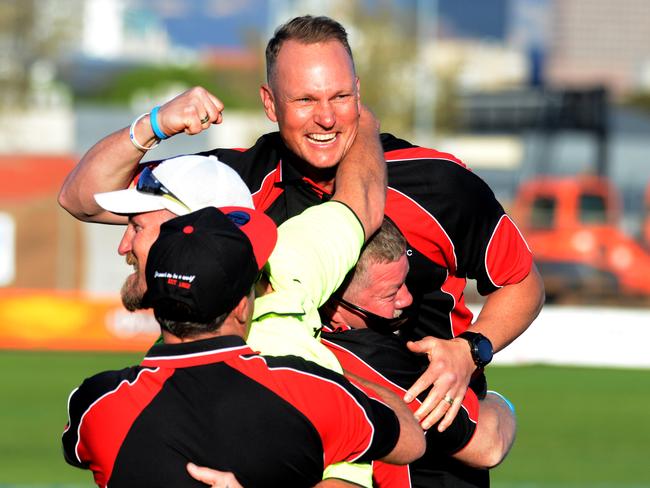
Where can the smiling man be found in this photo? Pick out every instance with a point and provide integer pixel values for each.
(175, 187)
(317, 103)
(455, 227)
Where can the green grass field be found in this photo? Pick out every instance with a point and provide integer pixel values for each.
(578, 427)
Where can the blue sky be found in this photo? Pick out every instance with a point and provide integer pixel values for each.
(213, 22)
(200, 23)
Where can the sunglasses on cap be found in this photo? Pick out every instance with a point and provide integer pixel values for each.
(372, 320)
(148, 183)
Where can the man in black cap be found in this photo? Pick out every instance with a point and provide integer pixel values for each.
(204, 396)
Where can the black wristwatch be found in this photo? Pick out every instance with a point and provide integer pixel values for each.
(480, 347)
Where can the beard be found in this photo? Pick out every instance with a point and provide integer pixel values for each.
(132, 293)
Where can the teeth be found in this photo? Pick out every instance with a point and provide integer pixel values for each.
(322, 137)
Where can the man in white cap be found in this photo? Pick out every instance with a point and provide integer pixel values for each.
(175, 187)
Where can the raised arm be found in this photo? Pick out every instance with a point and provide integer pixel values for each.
(361, 176)
(111, 163)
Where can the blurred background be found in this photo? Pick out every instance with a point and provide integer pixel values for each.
(547, 100)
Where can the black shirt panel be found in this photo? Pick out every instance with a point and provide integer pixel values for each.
(254, 164)
(446, 472)
(223, 432)
(387, 354)
(269, 420)
(385, 438)
(431, 305)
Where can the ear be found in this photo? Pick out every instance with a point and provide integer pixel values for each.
(269, 102)
(333, 313)
(244, 309)
(238, 320)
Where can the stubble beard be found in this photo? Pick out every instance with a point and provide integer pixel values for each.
(131, 293)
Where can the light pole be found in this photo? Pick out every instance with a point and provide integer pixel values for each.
(424, 89)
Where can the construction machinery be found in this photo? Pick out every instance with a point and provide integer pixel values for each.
(572, 224)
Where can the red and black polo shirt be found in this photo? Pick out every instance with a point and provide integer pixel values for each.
(455, 227)
(272, 421)
(385, 360)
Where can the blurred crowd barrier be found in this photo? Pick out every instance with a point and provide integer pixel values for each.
(52, 320)
(562, 335)
(583, 336)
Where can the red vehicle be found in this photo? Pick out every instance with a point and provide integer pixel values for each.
(572, 226)
(645, 223)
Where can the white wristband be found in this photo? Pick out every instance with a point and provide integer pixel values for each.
(135, 141)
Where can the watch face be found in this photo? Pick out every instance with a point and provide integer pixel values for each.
(484, 350)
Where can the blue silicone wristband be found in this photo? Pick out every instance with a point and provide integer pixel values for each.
(153, 118)
(508, 402)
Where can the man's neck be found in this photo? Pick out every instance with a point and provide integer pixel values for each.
(169, 338)
(323, 177)
(230, 327)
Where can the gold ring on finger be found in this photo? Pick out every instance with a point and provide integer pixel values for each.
(205, 119)
(449, 399)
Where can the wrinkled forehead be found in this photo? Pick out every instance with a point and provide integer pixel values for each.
(391, 271)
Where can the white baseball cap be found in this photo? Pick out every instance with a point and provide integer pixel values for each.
(181, 185)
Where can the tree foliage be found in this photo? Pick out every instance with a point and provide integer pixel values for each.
(384, 49)
(31, 32)
(639, 100)
(386, 57)
(235, 88)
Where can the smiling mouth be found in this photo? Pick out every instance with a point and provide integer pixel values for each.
(322, 138)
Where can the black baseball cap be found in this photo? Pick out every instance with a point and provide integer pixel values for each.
(207, 260)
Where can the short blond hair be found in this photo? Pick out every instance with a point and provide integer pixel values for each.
(387, 245)
(306, 30)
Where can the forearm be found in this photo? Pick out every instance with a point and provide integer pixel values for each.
(111, 163)
(494, 436)
(509, 311)
(361, 176)
(411, 443)
(108, 165)
(505, 315)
